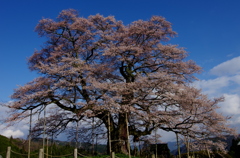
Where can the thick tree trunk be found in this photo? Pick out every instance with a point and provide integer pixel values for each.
(118, 135)
(120, 141)
(178, 146)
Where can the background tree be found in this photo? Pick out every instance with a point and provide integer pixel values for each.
(196, 118)
(98, 67)
(234, 149)
(86, 132)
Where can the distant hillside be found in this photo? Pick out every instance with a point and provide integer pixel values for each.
(15, 146)
(100, 148)
(173, 147)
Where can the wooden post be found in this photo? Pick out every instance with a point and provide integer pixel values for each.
(188, 155)
(93, 130)
(77, 134)
(129, 147)
(156, 142)
(8, 152)
(29, 135)
(109, 135)
(96, 143)
(112, 154)
(75, 152)
(178, 145)
(208, 153)
(47, 147)
(139, 146)
(44, 130)
(52, 145)
(40, 153)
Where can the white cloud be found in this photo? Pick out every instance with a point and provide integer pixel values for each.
(167, 136)
(228, 80)
(229, 67)
(212, 86)
(236, 120)
(14, 134)
(231, 104)
(17, 130)
(236, 79)
(227, 84)
(3, 111)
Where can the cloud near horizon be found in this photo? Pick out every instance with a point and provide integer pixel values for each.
(226, 82)
(231, 105)
(213, 86)
(13, 133)
(18, 130)
(229, 67)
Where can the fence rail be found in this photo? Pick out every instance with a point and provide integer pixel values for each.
(41, 154)
(58, 156)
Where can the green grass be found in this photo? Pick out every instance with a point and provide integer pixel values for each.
(5, 143)
(116, 155)
(103, 156)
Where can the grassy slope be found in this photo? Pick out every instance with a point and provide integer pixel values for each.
(5, 142)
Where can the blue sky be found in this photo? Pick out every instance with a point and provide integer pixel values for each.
(208, 29)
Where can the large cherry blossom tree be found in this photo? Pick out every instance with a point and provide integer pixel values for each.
(127, 76)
